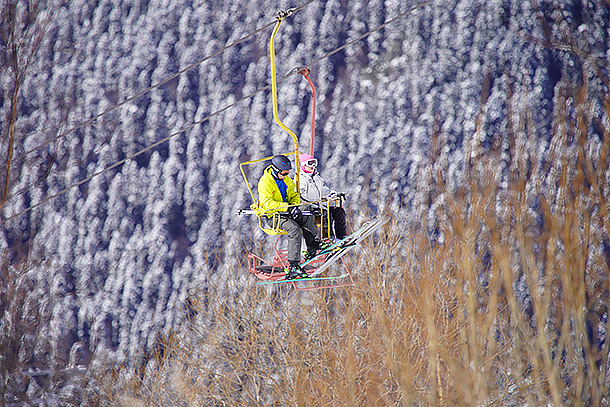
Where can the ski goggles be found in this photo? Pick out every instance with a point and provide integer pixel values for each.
(311, 163)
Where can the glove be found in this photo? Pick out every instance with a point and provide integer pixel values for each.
(295, 212)
(332, 194)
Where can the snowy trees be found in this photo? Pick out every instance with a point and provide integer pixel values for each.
(405, 111)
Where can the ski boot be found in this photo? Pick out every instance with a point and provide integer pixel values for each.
(295, 272)
(309, 255)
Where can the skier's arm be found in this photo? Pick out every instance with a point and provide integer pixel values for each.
(324, 189)
(292, 196)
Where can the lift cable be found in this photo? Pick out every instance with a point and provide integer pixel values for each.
(156, 85)
(208, 117)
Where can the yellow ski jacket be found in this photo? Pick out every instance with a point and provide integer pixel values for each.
(270, 198)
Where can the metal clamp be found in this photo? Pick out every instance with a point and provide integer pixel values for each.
(283, 14)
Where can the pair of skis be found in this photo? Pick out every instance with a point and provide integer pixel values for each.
(342, 247)
(337, 250)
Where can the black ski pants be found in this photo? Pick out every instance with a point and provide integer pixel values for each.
(338, 219)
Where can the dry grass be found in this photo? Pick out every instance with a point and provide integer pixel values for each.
(426, 325)
(510, 309)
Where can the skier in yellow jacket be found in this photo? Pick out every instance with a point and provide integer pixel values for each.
(277, 194)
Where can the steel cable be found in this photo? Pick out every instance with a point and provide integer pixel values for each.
(291, 73)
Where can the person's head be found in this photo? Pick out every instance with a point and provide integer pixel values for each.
(280, 166)
(308, 163)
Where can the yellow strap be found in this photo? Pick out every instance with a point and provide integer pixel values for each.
(274, 229)
(274, 94)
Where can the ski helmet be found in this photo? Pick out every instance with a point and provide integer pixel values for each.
(280, 163)
(307, 159)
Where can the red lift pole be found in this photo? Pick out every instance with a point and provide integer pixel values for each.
(305, 72)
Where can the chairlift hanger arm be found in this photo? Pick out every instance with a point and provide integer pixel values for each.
(280, 17)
